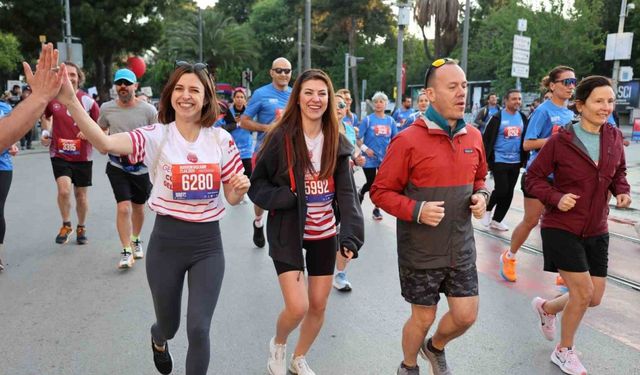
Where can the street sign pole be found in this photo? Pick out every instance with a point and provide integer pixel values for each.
(520, 54)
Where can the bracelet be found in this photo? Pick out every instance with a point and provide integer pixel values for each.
(46, 134)
(364, 148)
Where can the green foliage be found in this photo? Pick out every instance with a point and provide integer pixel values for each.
(9, 52)
(238, 9)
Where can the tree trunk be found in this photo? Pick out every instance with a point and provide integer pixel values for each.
(425, 44)
(355, 92)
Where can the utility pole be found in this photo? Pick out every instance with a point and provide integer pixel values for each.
(307, 45)
(616, 63)
(346, 70)
(299, 45)
(200, 34)
(68, 40)
(465, 36)
(403, 20)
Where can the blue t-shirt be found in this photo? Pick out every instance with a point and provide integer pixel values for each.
(376, 134)
(545, 121)
(490, 112)
(507, 146)
(6, 164)
(242, 137)
(351, 119)
(266, 104)
(402, 116)
(349, 132)
(611, 120)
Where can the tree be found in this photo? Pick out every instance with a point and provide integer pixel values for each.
(443, 15)
(9, 52)
(238, 9)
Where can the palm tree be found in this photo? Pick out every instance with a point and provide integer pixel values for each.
(443, 14)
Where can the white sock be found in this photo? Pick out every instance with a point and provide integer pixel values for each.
(258, 221)
(511, 255)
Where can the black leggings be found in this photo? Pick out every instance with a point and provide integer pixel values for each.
(5, 184)
(370, 174)
(177, 248)
(505, 176)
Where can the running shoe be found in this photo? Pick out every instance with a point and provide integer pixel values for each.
(486, 219)
(299, 366)
(162, 359)
(341, 282)
(376, 214)
(126, 260)
(63, 235)
(498, 226)
(438, 361)
(568, 361)
(81, 235)
(403, 370)
(560, 285)
(258, 235)
(508, 267)
(138, 253)
(276, 365)
(547, 324)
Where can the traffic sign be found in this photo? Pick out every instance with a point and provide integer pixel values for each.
(520, 56)
(519, 70)
(522, 42)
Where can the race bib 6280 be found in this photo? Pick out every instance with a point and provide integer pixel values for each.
(195, 181)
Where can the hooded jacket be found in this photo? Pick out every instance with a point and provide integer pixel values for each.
(426, 163)
(575, 172)
(271, 190)
(490, 136)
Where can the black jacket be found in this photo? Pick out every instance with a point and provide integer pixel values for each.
(270, 189)
(491, 134)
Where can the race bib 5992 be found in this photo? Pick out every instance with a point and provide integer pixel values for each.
(318, 191)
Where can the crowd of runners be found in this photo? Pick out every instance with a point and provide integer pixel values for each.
(294, 152)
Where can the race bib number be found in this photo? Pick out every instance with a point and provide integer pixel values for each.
(195, 181)
(318, 191)
(69, 146)
(511, 132)
(381, 130)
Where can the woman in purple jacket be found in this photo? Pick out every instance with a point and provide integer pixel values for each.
(587, 161)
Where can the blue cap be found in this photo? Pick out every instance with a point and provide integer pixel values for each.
(125, 74)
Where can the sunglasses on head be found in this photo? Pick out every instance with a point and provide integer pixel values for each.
(568, 81)
(281, 70)
(435, 65)
(121, 82)
(342, 105)
(193, 67)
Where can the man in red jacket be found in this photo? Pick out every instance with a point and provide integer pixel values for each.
(432, 180)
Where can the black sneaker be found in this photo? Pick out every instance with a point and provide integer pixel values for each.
(258, 235)
(376, 214)
(63, 234)
(162, 360)
(81, 235)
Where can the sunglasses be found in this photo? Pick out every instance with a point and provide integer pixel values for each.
(435, 65)
(192, 67)
(121, 82)
(342, 105)
(281, 70)
(568, 81)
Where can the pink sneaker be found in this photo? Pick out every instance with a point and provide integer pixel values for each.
(568, 361)
(547, 321)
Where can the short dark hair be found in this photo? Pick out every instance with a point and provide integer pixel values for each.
(405, 97)
(511, 91)
(588, 84)
(210, 108)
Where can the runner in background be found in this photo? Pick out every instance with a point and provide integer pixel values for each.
(264, 109)
(376, 131)
(6, 174)
(70, 156)
(402, 114)
(231, 123)
(129, 182)
(349, 117)
(550, 116)
(423, 105)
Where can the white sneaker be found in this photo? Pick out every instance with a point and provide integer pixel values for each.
(498, 226)
(276, 365)
(547, 322)
(299, 366)
(486, 219)
(126, 260)
(568, 361)
(138, 253)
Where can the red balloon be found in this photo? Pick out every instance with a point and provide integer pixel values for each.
(136, 65)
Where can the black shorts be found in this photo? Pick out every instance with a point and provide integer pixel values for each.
(524, 190)
(565, 251)
(423, 287)
(78, 171)
(320, 258)
(127, 186)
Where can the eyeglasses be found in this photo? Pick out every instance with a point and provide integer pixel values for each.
(121, 82)
(568, 81)
(281, 70)
(193, 67)
(435, 65)
(342, 105)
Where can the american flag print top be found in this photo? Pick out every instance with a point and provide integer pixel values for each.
(320, 222)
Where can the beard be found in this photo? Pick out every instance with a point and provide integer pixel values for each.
(125, 98)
